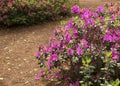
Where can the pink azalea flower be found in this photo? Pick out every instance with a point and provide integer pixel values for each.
(75, 9)
(37, 77)
(95, 15)
(100, 9)
(47, 77)
(70, 52)
(38, 54)
(90, 21)
(84, 43)
(76, 83)
(48, 49)
(113, 16)
(116, 57)
(119, 27)
(54, 45)
(55, 31)
(101, 19)
(110, 36)
(41, 72)
(79, 50)
(54, 57)
(67, 28)
(67, 37)
(70, 23)
(86, 14)
(58, 76)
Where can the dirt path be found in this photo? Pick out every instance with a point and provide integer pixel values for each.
(94, 3)
(17, 50)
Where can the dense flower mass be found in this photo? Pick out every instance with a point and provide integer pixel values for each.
(27, 12)
(86, 50)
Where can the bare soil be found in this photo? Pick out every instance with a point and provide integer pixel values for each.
(18, 46)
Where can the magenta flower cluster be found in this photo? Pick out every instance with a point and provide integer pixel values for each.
(112, 36)
(75, 9)
(80, 50)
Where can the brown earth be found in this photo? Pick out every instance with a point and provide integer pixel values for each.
(18, 65)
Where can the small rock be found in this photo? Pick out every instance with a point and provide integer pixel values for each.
(21, 72)
(9, 69)
(1, 78)
(24, 59)
(26, 82)
(30, 71)
(19, 65)
(25, 40)
(35, 69)
(5, 48)
(7, 57)
(8, 63)
(10, 50)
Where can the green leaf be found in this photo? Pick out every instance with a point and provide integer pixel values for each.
(88, 60)
(117, 82)
(83, 61)
(108, 54)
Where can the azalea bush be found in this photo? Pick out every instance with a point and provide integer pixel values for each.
(17, 12)
(85, 51)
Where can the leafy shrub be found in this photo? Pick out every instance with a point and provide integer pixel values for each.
(85, 51)
(14, 12)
